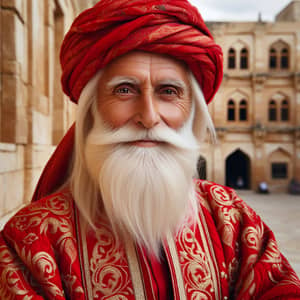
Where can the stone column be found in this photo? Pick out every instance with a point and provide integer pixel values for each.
(218, 157)
(13, 101)
(259, 163)
(296, 173)
(13, 48)
(259, 132)
(40, 89)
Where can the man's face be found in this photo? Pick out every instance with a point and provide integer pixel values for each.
(141, 150)
(144, 90)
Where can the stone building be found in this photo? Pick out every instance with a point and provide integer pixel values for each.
(33, 112)
(256, 111)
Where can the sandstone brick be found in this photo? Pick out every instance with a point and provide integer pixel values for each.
(17, 6)
(12, 36)
(12, 90)
(41, 128)
(11, 158)
(8, 159)
(37, 155)
(2, 194)
(22, 116)
(14, 182)
(14, 44)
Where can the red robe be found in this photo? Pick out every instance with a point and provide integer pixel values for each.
(229, 253)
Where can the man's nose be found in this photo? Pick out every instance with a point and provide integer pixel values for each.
(147, 111)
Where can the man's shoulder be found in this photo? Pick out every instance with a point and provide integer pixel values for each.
(223, 203)
(43, 215)
(211, 190)
(212, 196)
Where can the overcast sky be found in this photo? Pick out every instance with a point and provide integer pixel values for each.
(239, 10)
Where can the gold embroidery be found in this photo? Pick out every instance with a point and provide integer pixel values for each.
(253, 236)
(48, 217)
(230, 214)
(52, 215)
(210, 254)
(194, 265)
(108, 268)
(9, 279)
(84, 262)
(70, 282)
(248, 282)
(45, 271)
(175, 261)
(136, 274)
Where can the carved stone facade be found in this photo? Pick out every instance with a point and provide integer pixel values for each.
(34, 113)
(257, 110)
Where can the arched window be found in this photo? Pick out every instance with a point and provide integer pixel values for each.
(243, 110)
(279, 170)
(244, 59)
(279, 56)
(272, 111)
(273, 59)
(231, 58)
(231, 110)
(284, 111)
(284, 59)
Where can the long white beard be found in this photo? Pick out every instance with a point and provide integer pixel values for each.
(146, 192)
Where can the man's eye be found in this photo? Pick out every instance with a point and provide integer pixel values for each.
(169, 91)
(122, 90)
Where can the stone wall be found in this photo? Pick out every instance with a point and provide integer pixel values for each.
(290, 13)
(34, 113)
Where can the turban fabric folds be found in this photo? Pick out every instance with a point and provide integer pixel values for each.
(114, 27)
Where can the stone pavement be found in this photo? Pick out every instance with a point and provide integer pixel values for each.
(281, 212)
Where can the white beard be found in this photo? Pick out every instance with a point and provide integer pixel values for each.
(146, 192)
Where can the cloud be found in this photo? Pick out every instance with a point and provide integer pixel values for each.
(242, 10)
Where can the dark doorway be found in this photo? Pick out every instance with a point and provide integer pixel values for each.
(201, 168)
(238, 170)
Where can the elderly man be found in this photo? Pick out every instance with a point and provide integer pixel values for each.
(117, 213)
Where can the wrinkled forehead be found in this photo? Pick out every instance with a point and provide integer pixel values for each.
(146, 57)
(139, 67)
(147, 62)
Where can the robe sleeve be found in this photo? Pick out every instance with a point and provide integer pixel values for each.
(38, 256)
(256, 267)
(16, 281)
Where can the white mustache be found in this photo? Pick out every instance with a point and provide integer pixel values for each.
(126, 134)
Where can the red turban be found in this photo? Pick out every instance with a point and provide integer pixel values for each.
(112, 28)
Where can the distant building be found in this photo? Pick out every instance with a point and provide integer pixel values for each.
(257, 110)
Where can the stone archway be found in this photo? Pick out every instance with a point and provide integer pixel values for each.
(238, 170)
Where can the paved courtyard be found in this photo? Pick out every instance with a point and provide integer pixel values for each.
(281, 212)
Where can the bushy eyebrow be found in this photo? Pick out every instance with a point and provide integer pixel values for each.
(174, 82)
(118, 80)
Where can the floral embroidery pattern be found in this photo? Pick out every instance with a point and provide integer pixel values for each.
(52, 218)
(110, 275)
(195, 267)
